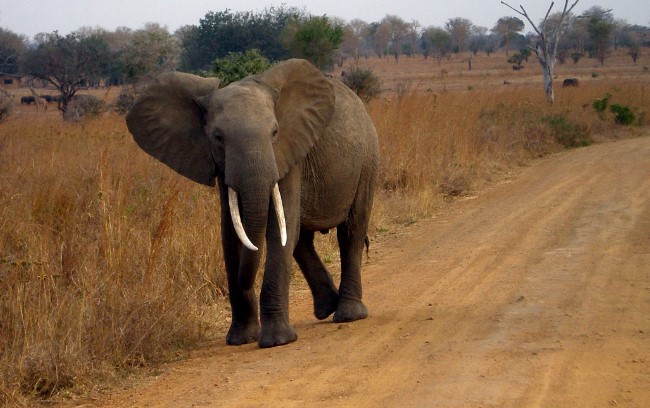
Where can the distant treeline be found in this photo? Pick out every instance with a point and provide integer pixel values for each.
(127, 55)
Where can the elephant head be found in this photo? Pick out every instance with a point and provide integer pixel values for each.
(248, 135)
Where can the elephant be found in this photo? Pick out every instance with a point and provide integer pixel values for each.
(292, 153)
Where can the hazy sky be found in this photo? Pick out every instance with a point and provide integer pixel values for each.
(30, 17)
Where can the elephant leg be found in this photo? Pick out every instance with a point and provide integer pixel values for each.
(318, 278)
(245, 327)
(274, 295)
(351, 236)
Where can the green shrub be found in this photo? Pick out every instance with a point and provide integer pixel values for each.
(238, 65)
(623, 115)
(567, 133)
(601, 104)
(363, 82)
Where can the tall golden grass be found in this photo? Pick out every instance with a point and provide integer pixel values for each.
(435, 145)
(109, 261)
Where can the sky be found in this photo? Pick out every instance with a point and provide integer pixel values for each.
(30, 17)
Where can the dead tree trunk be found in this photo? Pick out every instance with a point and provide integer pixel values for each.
(547, 45)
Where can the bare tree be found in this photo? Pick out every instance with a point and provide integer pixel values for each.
(414, 34)
(354, 35)
(397, 30)
(460, 30)
(546, 47)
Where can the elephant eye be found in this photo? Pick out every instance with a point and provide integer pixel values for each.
(218, 136)
(274, 137)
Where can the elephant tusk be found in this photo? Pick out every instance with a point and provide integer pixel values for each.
(236, 220)
(279, 212)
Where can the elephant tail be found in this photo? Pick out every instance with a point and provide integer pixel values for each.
(367, 241)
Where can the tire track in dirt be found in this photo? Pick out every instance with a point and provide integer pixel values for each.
(535, 293)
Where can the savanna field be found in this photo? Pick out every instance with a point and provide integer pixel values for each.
(110, 263)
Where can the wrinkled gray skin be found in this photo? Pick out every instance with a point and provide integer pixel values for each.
(291, 126)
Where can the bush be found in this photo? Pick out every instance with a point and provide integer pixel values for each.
(238, 65)
(125, 100)
(6, 107)
(566, 133)
(601, 104)
(622, 114)
(363, 82)
(83, 106)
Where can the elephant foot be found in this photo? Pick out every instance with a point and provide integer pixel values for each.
(350, 310)
(243, 333)
(277, 334)
(326, 305)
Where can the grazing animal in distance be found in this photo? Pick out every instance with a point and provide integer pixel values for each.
(27, 100)
(38, 100)
(570, 82)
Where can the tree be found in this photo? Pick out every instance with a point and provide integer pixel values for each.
(238, 65)
(397, 31)
(149, 52)
(478, 39)
(632, 38)
(219, 33)
(413, 35)
(379, 38)
(548, 38)
(314, 39)
(439, 40)
(68, 62)
(117, 42)
(12, 47)
(355, 34)
(459, 29)
(600, 26)
(506, 27)
(565, 43)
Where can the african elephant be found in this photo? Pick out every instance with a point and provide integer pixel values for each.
(293, 153)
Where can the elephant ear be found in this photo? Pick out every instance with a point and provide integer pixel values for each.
(304, 109)
(167, 122)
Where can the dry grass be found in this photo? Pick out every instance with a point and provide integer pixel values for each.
(436, 145)
(109, 261)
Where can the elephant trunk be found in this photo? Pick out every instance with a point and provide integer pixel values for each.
(251, 191)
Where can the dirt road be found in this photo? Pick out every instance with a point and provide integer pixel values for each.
(536, 293)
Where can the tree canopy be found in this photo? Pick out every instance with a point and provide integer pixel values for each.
(12, 46)
(219, 33)
(314, 39)
(128, 55)
(68, 62)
